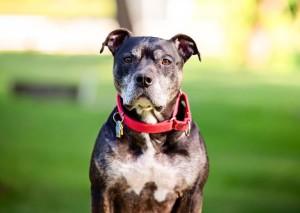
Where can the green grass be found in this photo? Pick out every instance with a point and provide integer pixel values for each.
(250, 121)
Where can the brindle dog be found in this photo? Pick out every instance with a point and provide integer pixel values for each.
(142, 172)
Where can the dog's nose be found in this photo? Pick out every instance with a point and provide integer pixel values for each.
(143, 80)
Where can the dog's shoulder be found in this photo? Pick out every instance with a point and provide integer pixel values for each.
(104, 143)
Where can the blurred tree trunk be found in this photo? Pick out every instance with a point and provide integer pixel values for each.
(123, 15)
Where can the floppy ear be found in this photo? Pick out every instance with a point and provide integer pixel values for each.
(186, 46)
(114, 40)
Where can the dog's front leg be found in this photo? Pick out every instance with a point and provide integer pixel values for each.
(190, 202)
(100, 201)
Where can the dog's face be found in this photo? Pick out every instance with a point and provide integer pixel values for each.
(148, 70)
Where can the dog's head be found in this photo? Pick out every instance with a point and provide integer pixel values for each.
(148, 70)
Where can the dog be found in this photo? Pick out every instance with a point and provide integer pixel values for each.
(149, 156)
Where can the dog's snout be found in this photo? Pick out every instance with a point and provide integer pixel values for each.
(142, 80)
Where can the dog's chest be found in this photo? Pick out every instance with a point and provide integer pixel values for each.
(169, 177)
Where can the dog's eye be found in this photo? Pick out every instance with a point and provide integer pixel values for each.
(128, 59)
(166, 61)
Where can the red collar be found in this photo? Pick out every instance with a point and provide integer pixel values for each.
(164, 126)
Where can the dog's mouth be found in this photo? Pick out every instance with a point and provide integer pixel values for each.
(142, 103)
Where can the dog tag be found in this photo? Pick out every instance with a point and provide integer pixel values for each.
(119, 129)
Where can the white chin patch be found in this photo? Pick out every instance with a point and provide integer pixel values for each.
(145, 108)
(142, 104)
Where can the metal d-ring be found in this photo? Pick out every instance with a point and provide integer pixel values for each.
(114, 117)
(188, 130)
(180, 91)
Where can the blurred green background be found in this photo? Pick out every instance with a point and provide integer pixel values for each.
(249, 114)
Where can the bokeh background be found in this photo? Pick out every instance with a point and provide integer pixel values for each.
(56, 91)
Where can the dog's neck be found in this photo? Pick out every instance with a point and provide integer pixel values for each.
(156, 141)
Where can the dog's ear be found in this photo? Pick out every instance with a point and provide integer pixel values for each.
(114, 40)
(186, 46)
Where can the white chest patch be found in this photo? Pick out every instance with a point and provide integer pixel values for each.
(147, 168)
